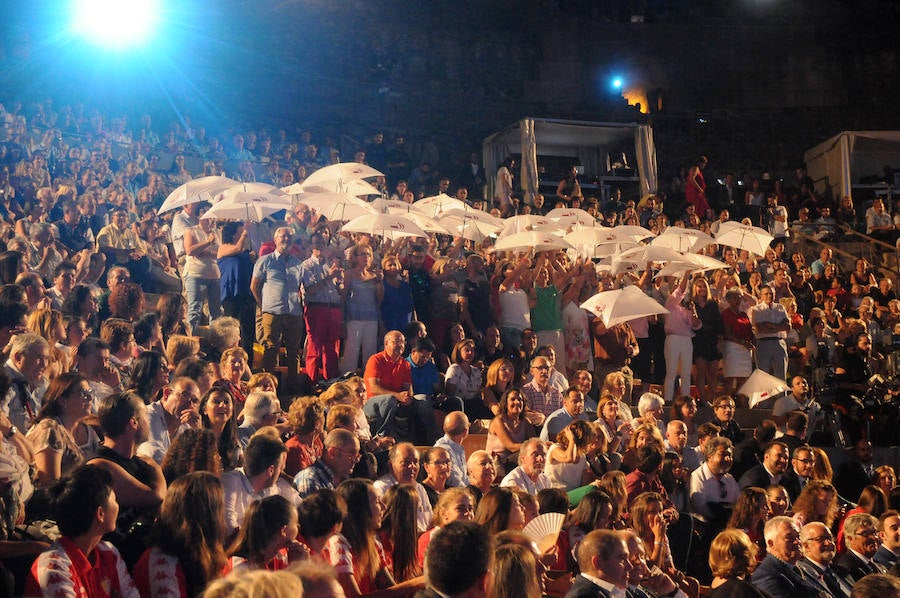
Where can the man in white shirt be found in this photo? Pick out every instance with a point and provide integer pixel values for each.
(712, 487)
(770, 326)
(404, 463)
(799, 399)
(176, 411)
(529, 475)
(456, 429)
(264, 461)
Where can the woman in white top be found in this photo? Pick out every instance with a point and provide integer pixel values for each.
(201, 272)
(566, 463)
(463, 379)
(515, 305)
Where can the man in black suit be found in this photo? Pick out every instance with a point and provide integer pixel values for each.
(818, 551)
(795, 430)
(797, 476)
(888, 553)
(771, 470)
(604, 564)
(857, 472)
(778, 575)
(749, 452)
(458, 561)
(861, 536)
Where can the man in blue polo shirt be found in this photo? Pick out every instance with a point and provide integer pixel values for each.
(427, 382)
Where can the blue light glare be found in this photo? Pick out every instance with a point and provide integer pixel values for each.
(114, 23)
(617, 83)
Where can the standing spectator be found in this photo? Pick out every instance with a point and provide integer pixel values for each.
(276, 288)
(770, 326)
(364, 293)
(201, 272)
(681, 325)
(695, 188)
(236, 270)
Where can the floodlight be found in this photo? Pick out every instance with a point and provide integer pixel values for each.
(114, 23)
(617, 82)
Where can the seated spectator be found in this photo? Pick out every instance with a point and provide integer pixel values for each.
(197, 369)
(261, 409)
(732, 557)
(454, 504)
(192, 450)
(539, 395)
(572, 409)
(403, 461)
(777, 575)
(119, 335)
(339, 456)
(862, 544)
(482, 473)
(500, 509)
(307, 420)
(398, 531)
(510, 428)
(529, 475)
(321, 515)
(175, 412)
(567, 466)
(79, 563)
(388, 388)
(93, 362)
(187, 551)
(268, 538)
(28, 357)
(818, 555)
(603, 562)
(60, 440)
(713, 489)
(436, 463)
(456, 430)
(264, 459)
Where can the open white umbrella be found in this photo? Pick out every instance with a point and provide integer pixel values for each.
(622, 305)
(390, 226)
(601, 235)
(692, 262)
(532, 239)
(426, 223)
(394, 206)
(572, 216)
(682, 239)
(202, 189)
(442, 202)
(744, 236)
(352, 187)
(649, 253)
(761, 386)
(516, 224)
(336, 206)
(249, 202)
(342, 172)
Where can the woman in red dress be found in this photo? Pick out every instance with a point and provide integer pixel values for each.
(695, 188)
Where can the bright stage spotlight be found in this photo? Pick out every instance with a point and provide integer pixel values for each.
(617, 83)
(114, 23)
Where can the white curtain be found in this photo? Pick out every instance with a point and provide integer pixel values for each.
(529, 176)
(645, 151)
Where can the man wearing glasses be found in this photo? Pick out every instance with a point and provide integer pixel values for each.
(540, 396)
(819, 551)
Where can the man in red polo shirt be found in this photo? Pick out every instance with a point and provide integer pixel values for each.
(388, 387)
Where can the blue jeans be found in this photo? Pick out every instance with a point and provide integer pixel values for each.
(382, 412)
(197, 291)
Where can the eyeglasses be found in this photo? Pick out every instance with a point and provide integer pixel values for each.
(820, 539)
(541, 367)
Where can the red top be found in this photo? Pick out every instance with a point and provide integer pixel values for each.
(395, 376)
(737, 324)
(64, 570)
(301, 456)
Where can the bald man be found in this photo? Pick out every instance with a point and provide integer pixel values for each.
(456, 430)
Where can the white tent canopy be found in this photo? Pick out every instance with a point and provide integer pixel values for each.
(850, 155)
(588, 142)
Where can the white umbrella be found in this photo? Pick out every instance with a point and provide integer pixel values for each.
(342, 172)
(426, 223)
(622, 305)
(572, 216)
(691, 262)
(476, 215)
(682, 239)
(515, 224)
(743, 236)
(761, 386)
(394, 206)
(336, 206)
(391, 226)
(353, 187)
(436, 204)
(250, 202)
(601, 235)
(649, 253)
(532, 239)
(202, 189)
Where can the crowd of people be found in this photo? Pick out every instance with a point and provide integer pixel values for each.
(296, 410)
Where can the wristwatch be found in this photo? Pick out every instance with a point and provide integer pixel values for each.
(13, 430)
